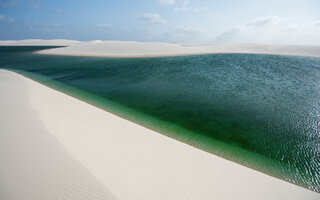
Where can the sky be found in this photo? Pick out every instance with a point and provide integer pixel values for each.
(178, 21)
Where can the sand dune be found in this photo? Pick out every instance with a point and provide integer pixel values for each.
(157, 49)
(33, 164)
(55, 146)
(38, 42)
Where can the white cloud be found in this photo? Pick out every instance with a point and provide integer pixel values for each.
(273, 30)
(58, 11)
(264, 21)
(4, 18)
(187, 33)
(42, 27)
(181, 5)
(185, 3)
(317, 23)
(34, 5)
(184, 6)
(152, 18)
(167, 2)
(7, 4)
(10, 19)
(28, 25)
(190, 9)
(106, 26)
(190, 30)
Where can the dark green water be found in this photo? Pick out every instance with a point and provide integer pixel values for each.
(262, 111)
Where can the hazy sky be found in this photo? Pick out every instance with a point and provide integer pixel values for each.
(189, 21)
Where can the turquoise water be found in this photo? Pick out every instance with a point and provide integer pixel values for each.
(262, 111)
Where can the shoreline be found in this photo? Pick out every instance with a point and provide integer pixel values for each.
(106, 145)
(171, 130)
(122, 49)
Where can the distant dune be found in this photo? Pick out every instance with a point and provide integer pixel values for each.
(158, 49)
(38, 42)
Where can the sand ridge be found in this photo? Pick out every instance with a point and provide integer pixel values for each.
(160, 49)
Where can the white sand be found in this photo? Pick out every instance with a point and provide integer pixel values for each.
(157, 49)
(38, 42)
(53, 146)
(34, 165)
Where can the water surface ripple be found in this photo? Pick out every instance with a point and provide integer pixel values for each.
(262, 111)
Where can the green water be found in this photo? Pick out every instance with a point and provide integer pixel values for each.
(262, 111)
